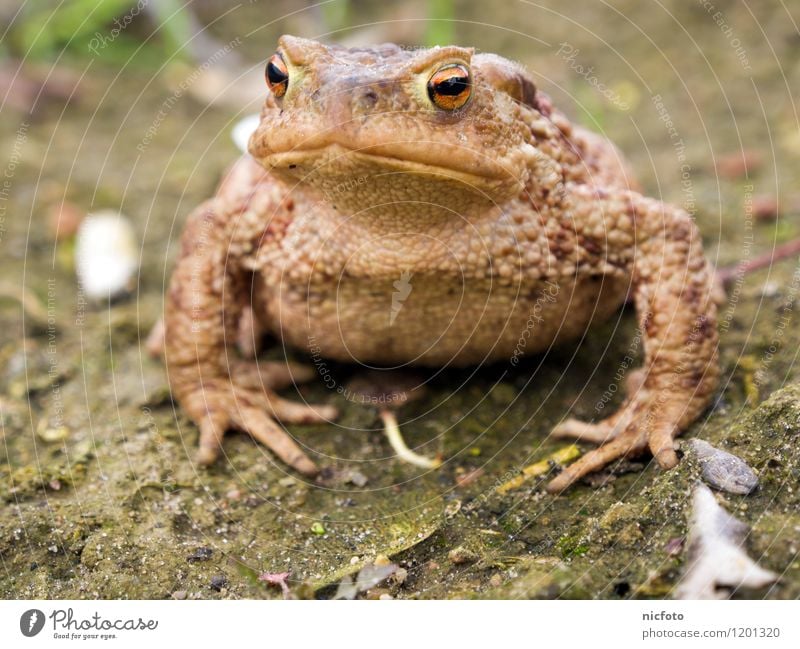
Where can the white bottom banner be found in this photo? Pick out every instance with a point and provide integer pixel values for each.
(458, 624)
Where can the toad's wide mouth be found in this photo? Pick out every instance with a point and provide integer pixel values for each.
(339, 160)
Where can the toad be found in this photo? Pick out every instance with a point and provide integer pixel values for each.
(430, 207)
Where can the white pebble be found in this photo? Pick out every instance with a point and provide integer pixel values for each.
(242, 131)
(106, 254)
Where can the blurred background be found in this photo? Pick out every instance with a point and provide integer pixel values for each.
(127, 108)
(128, 102)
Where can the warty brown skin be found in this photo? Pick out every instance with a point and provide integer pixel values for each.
(506, 223)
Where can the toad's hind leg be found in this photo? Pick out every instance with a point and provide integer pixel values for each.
(673, 294)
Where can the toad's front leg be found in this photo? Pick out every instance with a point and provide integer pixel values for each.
(208, 289)
(673, 294)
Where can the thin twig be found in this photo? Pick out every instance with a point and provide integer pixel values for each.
(728, 274)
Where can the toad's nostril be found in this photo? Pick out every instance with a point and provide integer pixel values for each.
(365, 100)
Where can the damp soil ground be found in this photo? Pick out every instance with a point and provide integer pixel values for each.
(99, 494)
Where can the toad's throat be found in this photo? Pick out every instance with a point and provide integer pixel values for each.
(352, 182)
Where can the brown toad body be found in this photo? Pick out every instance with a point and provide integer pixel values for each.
(430, 207)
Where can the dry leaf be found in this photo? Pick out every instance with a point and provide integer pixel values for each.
(369, 576)
(717, 560)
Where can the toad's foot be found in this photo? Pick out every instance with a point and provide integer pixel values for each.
(644, 422)
(611, 426)
(218, 405)
(673, 291)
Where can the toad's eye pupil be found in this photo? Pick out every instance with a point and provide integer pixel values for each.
(449, 88)
(277, 75)
(452, 86)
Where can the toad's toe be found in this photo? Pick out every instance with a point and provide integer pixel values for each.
(575, 429)
(630, 443)
(221, 405)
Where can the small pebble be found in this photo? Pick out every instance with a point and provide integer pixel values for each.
(462, 555)
(106, 254)
(496, 581)
(399, 577)
(765, 207)
(739, 163)
(357, 478)
(179, 594)
(674, 546)
(200, 554)
(723, 470)
(52, 434)
(770, 289)
(243, 129)
(218, 582)
(452, 509)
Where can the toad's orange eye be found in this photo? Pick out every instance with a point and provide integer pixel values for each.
(449, 87)
(277, 75)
